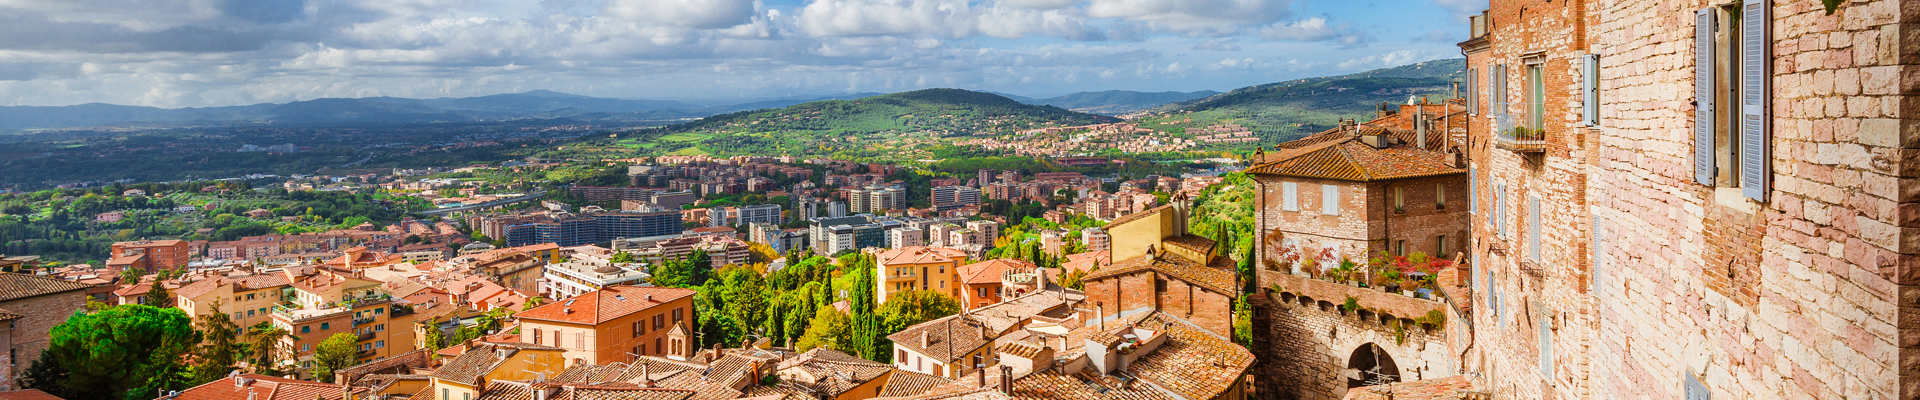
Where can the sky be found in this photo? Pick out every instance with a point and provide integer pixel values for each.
(200, 53)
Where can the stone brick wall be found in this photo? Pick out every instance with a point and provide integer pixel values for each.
(31, 333)
(1152, 290)
(1305, 344)
(1808, 295)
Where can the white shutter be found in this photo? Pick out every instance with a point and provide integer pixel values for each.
(1694, 390)
(1598, 256)
(1473, 91)
(1500, 210)
(1703, 96)
(1756, 173)
(1546, 349)
(1533, 227)
(1480, 279)
(1473, 190)
(1329, 199)
(1590, 88)
(1290, 196)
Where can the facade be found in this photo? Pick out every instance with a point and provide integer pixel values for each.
(917, 268)
(150, 255)
(614, 324)
(467, 376)
(906, 237)
(584, 274)
(249, 299)
(326, 303)
(1095, 239)
(1693, 201)
(955, 196)
(1159, 266)
(763, 213)
(572, 230)
(41, 303)
(982, 282)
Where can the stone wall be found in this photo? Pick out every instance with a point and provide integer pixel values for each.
(32, 332)
(1146, 290)
(1305, 344)
(1649, 279)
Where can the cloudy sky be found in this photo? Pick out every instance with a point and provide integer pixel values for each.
(193, 53)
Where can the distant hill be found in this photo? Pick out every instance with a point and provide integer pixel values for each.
(538, 104)
(897, 118)
(1114, 102)
(1288, 110)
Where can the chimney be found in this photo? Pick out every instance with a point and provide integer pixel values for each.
(982, 374)
(1100, 319)
(1006, 379)
(926, 340)
(1420, 128)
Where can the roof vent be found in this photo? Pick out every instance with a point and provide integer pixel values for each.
(1377, 141)
(566, 310)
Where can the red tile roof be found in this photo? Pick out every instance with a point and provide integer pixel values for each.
(1425, 389)
(262, 387)
(28, 394)
(1341, 155)
(18, 286)
(989, 271)
(605, 305)
(912, 255)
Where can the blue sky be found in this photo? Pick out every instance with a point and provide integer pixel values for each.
(192, 53)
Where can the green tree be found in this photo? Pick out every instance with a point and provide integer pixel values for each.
(909, 308)
(263, 346)
(220, 346)
(434, 339)
(337, 352)
(158, 296)
(829, 328)
(122, 352)
(622, 258)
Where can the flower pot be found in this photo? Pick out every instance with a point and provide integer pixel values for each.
(1408, 293)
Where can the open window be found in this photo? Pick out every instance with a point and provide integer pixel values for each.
(1731, 91)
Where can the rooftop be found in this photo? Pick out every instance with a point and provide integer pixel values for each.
(604, 305)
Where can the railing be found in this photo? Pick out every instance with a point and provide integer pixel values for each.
(365, 336)
(1521, 139)
(362, 321)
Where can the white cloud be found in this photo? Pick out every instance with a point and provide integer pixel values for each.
(1389, 59)
(1315, 29)
(1193, 17)
(705, 14)
(1460, 9)
(1216, 45)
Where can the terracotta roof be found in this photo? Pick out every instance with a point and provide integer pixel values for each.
(18, 286)
(1191, 242)
(989, 271)
(1349, 159)
(1086, 261)
(908, 383)
(1447, 388)
(246, 283)
(9, 316)
(604, 305)
(947, 338)
(262, 387)
(1193, 362)
(704, 388)
(469, 366)
(1216, 279)
(1135, 216)
(832, 371)
(912, 255)
(28, 394)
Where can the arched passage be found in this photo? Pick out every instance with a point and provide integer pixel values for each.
(1371, 365)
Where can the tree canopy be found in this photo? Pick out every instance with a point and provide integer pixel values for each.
(123, 352)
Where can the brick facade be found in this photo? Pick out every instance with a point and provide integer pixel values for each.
(32, 332)
(1146, 291)
(1646, 279)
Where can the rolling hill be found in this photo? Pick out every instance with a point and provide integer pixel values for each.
(1287, 110)
(870, 125)
(1115, 102)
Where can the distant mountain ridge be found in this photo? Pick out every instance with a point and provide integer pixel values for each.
(1113, 102)
(1291, 109)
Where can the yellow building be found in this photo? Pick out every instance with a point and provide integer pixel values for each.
(248, 299)
(1134, 234)
(466, 375)
(918, 268)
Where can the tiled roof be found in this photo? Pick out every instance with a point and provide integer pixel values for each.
(908, 383)
(603, 305)
(241, 284)
(262, 387)
(1004, 315)
(835, 372)
(9, 316)
(469, 366)
(1195, 243)
(945, 339)
(1349, 159)
(1194, 362)
(1085, 385)
(28, 394)
(1216, 279)
(704, 388)
(1135, 216)
(506, 390)
(912, 255)
(19, 286)
(989, 271)
(1447, 388)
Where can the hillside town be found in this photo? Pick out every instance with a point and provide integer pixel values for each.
(1601, 208)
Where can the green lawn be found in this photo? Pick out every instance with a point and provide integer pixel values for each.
(690, 151)
(684, 137)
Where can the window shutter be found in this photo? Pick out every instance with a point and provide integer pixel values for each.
(1696, 390)
(1598, 256)
(1473, 91)
(1499, 89)
(1590, 88)
(1755, 157)
(1289, 196)
(1500, 209)
(1533, 227)
(1329, 199)
(1473, 190)
(1703, 69)
(1546, 349)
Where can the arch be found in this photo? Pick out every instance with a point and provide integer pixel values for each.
(1370, 364)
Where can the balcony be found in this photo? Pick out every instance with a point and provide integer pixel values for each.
(365, 336)
(1521, 139)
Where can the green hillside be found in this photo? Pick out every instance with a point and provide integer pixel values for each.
(1288, 110)
(892, 125)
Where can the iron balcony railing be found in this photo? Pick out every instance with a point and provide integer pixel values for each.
(1517, 138)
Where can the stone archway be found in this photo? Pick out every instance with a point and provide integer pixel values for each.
(1370, 364)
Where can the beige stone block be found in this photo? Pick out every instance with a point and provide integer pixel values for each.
(1880, 80)
(1847, 81)
(1886, 132)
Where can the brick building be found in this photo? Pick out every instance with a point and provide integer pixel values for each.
(1693, 200)
(40, 303)
(1159, 266)
(613, 324)
(150, 255)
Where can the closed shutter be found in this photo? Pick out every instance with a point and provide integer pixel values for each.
(1329, 199)
(1755, 172)
(1473, 91)
(1696, 390)
(1703, 109)
(1500, 210)
(1590, 88)
(1533, 227)
(1546, 349)
(1500, 89)
(1473, 191)
(1598, 256)
(1290, 196)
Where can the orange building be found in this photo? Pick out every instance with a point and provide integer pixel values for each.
(982, 281)
(150, 255)
(613, 324)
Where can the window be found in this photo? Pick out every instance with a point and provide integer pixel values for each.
(1440, 246)
(639, 327)
(659, 321)
(1440, 196)
(1731, 145)
(677, 312)
(366, 346)
(379, 344)
(249, 296)
(444, 395)
(983, 292)
(306, 329)
(380, 328)
(640, 350)
(236, 316)
(249, 313)
(325, 326)
(656, 344)
(1400, 247)
(1590, 89)
(466, 396)
(306, 347)
(1500, 209)
(1694, 390)
(536, 335)
(1536, 97)
(1329, 199)
(903, 356)
(1546, 349)
(1473, 91)
(1399, 199)
(1473, 190)
(580, 340)
(1289, 196)
(1533, 227)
